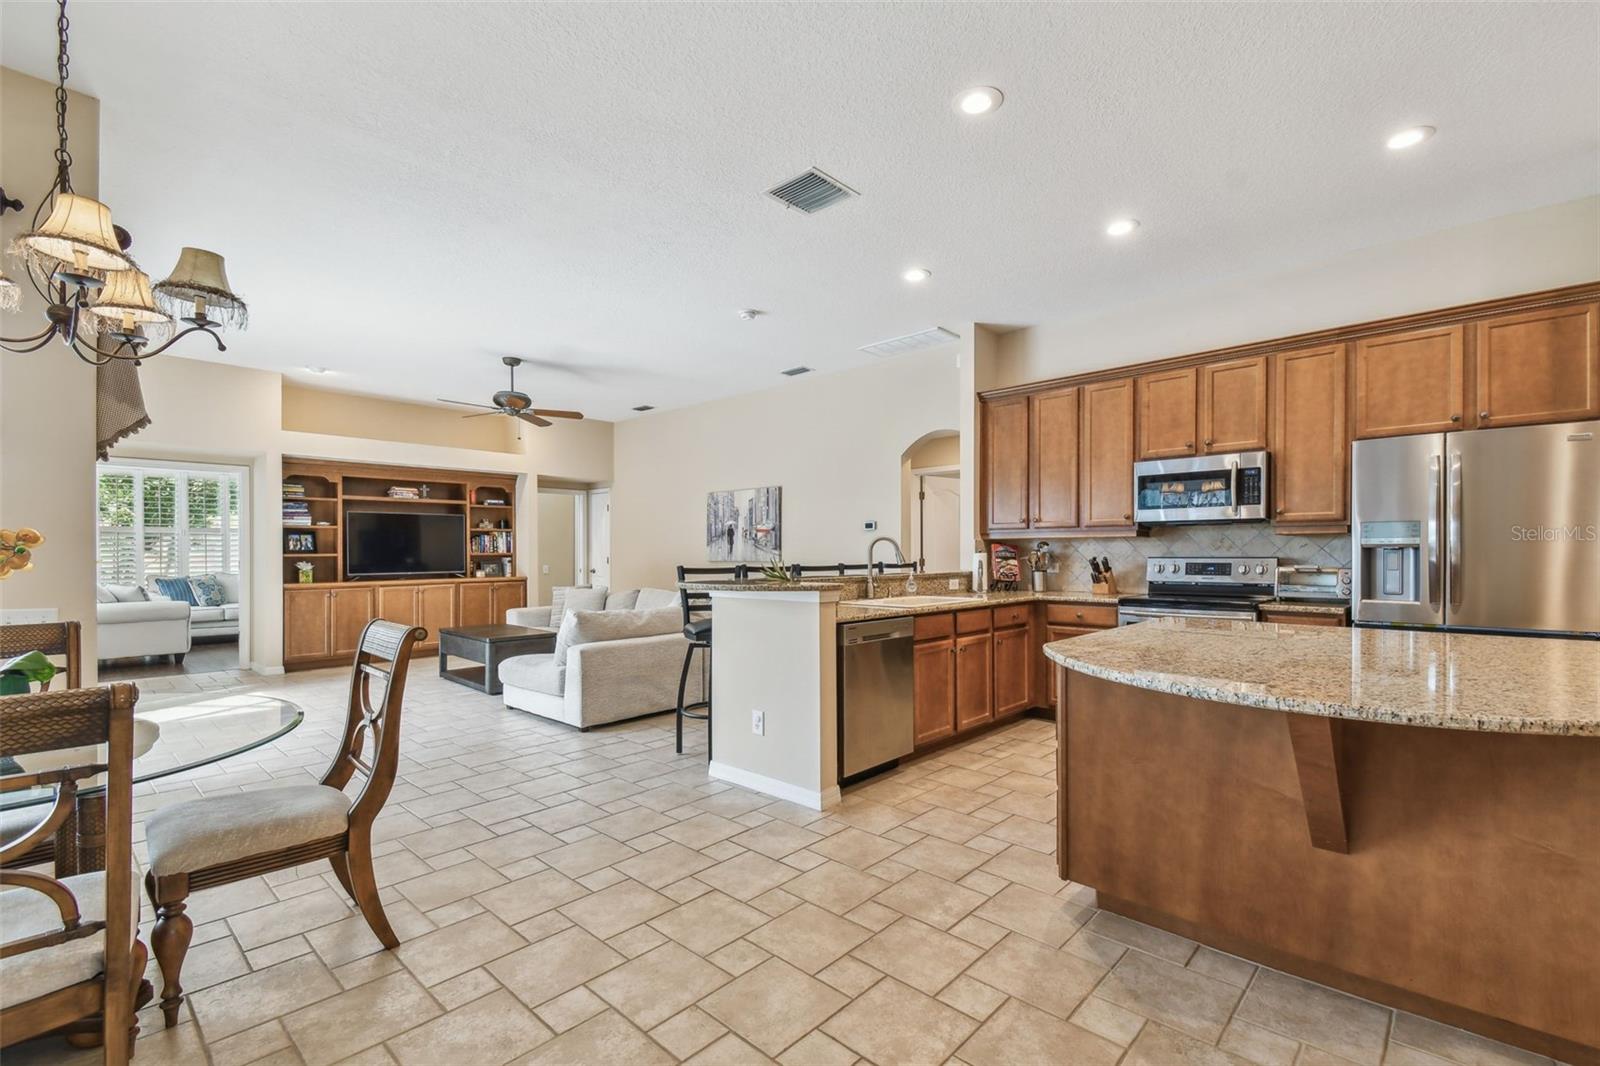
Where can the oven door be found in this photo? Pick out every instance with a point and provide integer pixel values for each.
(1207, 488)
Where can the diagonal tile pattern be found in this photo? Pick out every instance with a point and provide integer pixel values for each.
(566, 897)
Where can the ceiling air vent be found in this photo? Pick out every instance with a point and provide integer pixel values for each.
(811, 191)
(912, 342)
(795, 371)
(645, 407)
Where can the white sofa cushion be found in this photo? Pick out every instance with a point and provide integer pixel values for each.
(655, 599)
(591, 627)
(206, 614)
(141, 611)
(537, 673)
(128, 593)
(621, 601)
(581, 598)
(103, 594)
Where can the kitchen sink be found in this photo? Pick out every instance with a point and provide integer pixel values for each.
(908, 601)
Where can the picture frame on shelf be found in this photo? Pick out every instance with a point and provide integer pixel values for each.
(299, 543)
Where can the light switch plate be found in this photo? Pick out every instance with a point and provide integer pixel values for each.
(758, 723)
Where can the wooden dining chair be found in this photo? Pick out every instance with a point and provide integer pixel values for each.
(71, 961)
(64, 639)
(220, 839)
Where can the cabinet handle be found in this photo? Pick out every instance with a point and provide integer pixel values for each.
(1483, 414)
(1127, 518)
(1455, 418)
(1278, 511)
(1208, 442)
(1188, 444)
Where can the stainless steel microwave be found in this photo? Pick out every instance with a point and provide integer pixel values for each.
(1205, 488)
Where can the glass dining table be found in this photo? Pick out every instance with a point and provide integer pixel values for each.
(173, 734)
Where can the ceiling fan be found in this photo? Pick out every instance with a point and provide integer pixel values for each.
(513, 403)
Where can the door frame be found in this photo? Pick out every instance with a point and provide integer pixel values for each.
(920, 473)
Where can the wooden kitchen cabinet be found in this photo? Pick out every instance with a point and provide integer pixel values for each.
(1005, 464)
(1106, 455)
(933, 684)
(1411, 382)
(1053, 633)
(1311, 456)
(974, 661)
(398, 604)
(349, 611)
(1539, 366)
(474, 604)
(433, 607)
(1011, 668)
(1053, 459)
(1168, 409)
(1301, 618)
(319, 623)
(1233, 406)
(504, 596)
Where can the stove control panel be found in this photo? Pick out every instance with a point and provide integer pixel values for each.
(1199, 573)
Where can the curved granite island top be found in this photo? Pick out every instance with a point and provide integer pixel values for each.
(1443, 680)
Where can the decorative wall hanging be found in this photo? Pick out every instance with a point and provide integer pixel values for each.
(16, 549)
(745, 525)
(100, 304)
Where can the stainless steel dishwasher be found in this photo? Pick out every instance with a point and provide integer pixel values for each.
(875, 707)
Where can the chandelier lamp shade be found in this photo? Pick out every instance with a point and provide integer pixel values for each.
(99, 303)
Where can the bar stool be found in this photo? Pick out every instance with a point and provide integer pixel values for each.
(697, 629)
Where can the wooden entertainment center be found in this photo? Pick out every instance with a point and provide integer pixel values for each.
(323, 619)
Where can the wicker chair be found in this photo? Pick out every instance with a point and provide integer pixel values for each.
(72, 961)
(225, 838)
(52, 638)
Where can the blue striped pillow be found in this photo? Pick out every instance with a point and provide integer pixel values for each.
(175, 588)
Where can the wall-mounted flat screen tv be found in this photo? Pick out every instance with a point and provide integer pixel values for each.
(387, 544)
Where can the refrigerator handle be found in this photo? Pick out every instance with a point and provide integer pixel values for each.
(1435, 505)
(1453, 574)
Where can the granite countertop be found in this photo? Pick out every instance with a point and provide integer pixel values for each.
(850, 613)
(1407, 677)
(1339, 607)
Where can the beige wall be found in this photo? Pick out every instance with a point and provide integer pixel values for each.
(834, 443)
(556, 545)
(935, 451)
(344, 414)
(1532, 250)
(219, 412)
(47, 425)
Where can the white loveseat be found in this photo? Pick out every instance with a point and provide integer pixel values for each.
(131, 625)
(621, 660)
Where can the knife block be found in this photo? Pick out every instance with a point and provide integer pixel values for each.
(1106, 586)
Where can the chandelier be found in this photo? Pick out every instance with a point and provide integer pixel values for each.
(100, 304)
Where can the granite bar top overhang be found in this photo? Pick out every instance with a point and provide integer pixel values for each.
(1464, 681)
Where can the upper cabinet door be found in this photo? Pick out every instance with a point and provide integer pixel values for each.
(1539, 366)
(1053, 452)
(1106, 492)
(1310, 463)
(1168, 405)
(1233, 405)
(1411, 382)
(1005, 463)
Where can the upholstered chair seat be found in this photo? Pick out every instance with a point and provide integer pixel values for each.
(220, 829)
(23, 914)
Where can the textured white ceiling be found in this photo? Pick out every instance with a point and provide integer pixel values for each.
(407, 191)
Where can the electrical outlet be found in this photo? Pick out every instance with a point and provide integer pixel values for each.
(955, 584)
(758, 723)
(544, 568)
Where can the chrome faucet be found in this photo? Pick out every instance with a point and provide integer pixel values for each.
(899, 557)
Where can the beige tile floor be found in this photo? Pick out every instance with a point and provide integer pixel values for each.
(565, 897)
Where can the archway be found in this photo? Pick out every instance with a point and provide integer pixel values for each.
(930, 494)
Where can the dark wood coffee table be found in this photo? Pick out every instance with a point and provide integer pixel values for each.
(489, 646)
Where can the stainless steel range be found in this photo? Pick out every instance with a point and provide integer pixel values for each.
(1220, 587)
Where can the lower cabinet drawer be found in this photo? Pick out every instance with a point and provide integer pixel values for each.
(1009, 617)
(1080, 614)
(933, 626)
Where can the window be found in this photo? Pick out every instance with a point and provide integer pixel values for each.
(155, 522)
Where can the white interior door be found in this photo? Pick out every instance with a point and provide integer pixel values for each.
(597, 551)
(937, 523)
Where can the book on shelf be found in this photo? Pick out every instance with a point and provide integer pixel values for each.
(491, 542)
(296, 514)
(295, 489)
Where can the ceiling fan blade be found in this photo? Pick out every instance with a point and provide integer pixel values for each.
(535, 419)
(481, 414)
(464, 403)
(555, 414)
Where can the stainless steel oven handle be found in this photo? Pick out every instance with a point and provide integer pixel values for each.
(1453, 575)
(1233, 487)
(1435, 503)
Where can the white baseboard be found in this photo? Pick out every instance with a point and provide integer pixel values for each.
(771, 786)
(266, 671)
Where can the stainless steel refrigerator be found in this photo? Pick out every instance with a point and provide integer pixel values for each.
(1492, 529)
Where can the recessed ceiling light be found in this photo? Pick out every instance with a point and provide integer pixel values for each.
(316, 370)
(916, 274)
(1121, 227)
(980, 100)
(1410, 137)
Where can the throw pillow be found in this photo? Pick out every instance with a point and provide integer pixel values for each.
(558, 602)
(621, 601)
(207, 591)
(103, 594)
(175, 588)
(653, 599)
(128, 593)
(581, 599)
(592, 627)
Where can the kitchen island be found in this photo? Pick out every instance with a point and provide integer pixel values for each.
(1413, 817)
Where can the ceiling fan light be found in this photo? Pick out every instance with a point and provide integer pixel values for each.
(78, 232)
(198, 289)
(10, 295)
(125, 303)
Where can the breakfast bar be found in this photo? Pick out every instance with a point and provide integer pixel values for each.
(1412, 817)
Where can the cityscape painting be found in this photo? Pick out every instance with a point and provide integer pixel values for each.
(745, 525)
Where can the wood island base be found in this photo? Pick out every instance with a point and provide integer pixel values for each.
(1451, 873)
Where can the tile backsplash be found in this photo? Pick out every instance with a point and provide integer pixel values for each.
(1128, 554)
